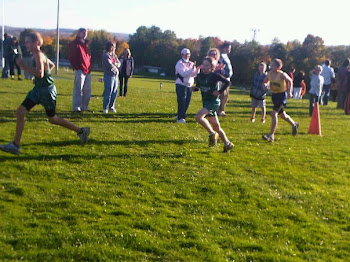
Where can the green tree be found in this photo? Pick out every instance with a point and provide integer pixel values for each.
(97, 44)
(151, 46)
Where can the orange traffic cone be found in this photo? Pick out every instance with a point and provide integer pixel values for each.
(315, 124)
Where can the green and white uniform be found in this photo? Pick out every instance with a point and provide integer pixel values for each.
(208, 83)
(44, 93)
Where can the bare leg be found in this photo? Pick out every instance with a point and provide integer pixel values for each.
(253, 112)
(200, 118)
(274, 122)
(214, 121)
(263, 113)
(287, 118)
(63, 122)
(20, 113)
(224, 100)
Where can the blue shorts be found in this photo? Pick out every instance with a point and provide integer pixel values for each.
(45, 96)
(279, 102)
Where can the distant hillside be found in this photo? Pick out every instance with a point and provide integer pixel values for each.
(64, 32)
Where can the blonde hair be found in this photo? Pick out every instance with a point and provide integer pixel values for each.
(128, 51)
(318, 67)
(214, 50)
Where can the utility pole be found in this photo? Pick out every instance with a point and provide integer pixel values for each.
(58, 37)
(255, 31)
(3, 32)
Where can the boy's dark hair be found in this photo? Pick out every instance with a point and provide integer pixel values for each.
(108, 45)
(35, 36)
(327, 62)
(225, 45)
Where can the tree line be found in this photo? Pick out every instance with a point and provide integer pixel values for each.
(153, 47)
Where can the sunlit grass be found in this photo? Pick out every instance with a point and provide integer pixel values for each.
(146, 188)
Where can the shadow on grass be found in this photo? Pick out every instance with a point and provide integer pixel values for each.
(40, 116)
(76, 158)
(141, 143)
(13, 92)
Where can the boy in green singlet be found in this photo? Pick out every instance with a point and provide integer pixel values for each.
(44, 93)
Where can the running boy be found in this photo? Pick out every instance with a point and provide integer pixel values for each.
(208, 83)
(44, 93)
(281, 86)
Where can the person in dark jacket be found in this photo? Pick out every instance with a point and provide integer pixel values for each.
(13, 52)
(126, 70)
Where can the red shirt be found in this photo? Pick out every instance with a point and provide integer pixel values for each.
(79, 56)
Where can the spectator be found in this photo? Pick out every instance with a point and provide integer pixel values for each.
(316, 85)
(185, 72)
(13, 52)
(126, 71)
(329, 78)
(80, 59)
(334, 86)
(291, 73)
(226, 72)
(110, 67)
(258, 92)
(299, 81)
(342, 82)
(27, 58)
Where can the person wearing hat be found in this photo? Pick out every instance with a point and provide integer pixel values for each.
(185, 72)
(80, 59)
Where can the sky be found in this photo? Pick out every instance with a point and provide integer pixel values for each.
(227, 19)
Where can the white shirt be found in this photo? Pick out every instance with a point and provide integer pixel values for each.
(328, 74)
(316, 84)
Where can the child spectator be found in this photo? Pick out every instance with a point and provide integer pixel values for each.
(298, 83)
(258, 92)
(316, 84)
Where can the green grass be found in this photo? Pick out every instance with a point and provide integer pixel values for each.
(146, 188)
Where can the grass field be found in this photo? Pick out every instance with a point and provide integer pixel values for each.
(146, 188)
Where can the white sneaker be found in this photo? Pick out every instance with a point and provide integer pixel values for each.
(105, 111)
(181, 121)
(113, 110)
(84, 135)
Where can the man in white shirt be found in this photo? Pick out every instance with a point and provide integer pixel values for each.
(329, 78)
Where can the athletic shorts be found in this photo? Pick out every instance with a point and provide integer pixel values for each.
(258, 103)
(212, 107)
(45, 96)
(279, 101)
